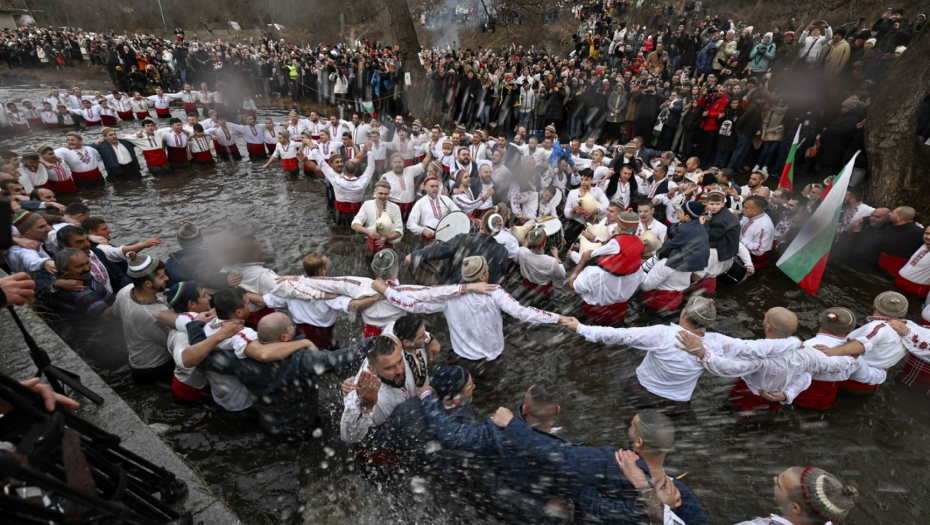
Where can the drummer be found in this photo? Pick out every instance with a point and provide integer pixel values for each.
(575, 213)
(403, 181)
(607, 285)
(549, 199)
(381, 232)
(426, 213)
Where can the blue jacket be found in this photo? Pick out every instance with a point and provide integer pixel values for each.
(705, 59)
(724, 231)
(688, 247)
(286, 391)
(602, 491)
(108, 156)
(526, 482)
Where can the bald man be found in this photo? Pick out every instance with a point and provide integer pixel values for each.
(769, 380)
(287, 396)
(901, 240)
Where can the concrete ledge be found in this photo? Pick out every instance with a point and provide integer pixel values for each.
(114, 415)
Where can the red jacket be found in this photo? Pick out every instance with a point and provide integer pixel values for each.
(717, 107)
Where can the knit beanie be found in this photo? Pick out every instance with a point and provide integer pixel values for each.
(179, 294)
(837, 321)
(140, 265)
(448, 381)
(473, 268)
(458, 176)
(891, 304)
(25, 220)
(693, 209)
(189, 235)
(701, 310)
(826, 495)
(629, 221)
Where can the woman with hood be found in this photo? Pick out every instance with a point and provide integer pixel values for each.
(762, 54)
(616, 112)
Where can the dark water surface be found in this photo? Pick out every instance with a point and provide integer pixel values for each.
(877, 443)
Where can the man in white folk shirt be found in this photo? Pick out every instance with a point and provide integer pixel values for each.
(366, 221)
(914, 276)
(403, 181)
(384, 265)
(809, 496)
(539, 154)
(757, 232)
(254, 136)
(541, 271)
(854, 211)
(607, 285)
(647, 222)
(84, 162)
(575, 214)
(426, 213)
(876, 343)
(151, 141)
(667, 376)
(224, 138)
(769, 381)
(315, 318)
(348, 185)
(475, 322)
(162, 102)
(477, 149)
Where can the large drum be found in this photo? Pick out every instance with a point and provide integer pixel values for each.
(737, 273)
(429, 273)
(553, 228)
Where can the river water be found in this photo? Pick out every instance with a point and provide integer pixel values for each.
(877, 443)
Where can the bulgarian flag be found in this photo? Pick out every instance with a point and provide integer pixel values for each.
(787, 174)
(806, 257)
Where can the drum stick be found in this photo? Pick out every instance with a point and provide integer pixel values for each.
(440, 229)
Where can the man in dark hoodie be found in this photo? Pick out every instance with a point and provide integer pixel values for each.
(686, 251)
(614, 486)
(723, 237)
(194, 263)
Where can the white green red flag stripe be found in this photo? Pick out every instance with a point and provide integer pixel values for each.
(787, 174)
(806, 257)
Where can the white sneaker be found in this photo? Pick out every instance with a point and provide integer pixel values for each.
(755, 168)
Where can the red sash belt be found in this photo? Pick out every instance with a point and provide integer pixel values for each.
(819, 395)
(608, 314)
(154, 157)
(224, 149)
(315, 137)
(142, 115)
(372, 247)
(183, 392)
(63, 186)
(707, 285)
(189, 107)
(891, 265)
(662, 299)
(915, 374)
(546, 289)
(51, 125)
(256, 149)
(347, 207)
(746, 401)
(760, 261)
(908, 286)
(20, 127)
(125, 115)
(85, 176)
(290, 165)
(370, 331)
(202, 156)
(90, 123)
(34, 122)
(322, 337)
(849, 384)
(405, 207)
(176, 155)
(384, 458)
(163, 112)
(108, 120)
(255, 317)
(269, 147)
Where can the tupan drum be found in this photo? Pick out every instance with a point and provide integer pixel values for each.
(735, 275)
(429, 273)
(454, 223)
(553, 228)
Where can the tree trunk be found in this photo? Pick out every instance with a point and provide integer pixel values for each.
(899, 164)
(416, 95)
